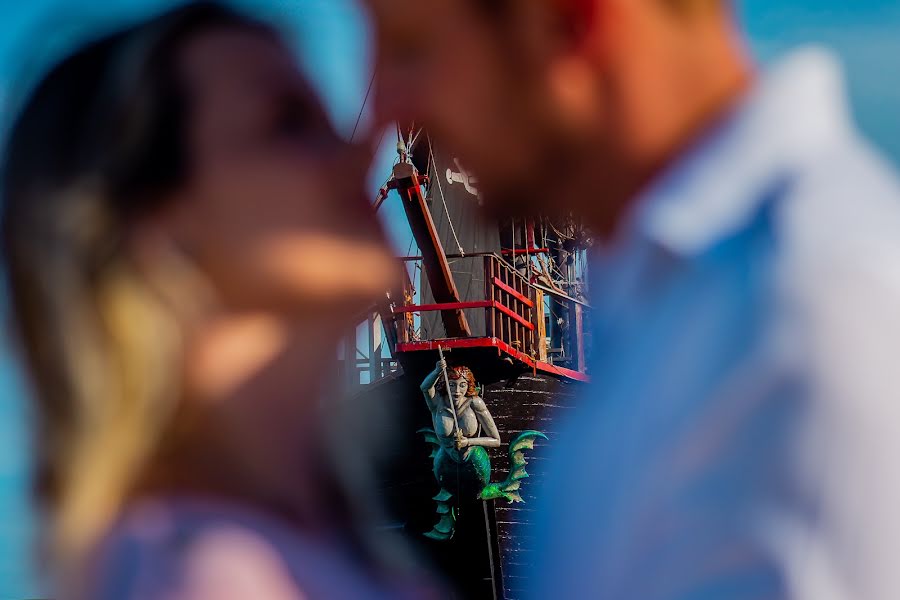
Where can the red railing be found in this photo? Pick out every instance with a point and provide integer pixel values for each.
(514, 323)
(514, 312)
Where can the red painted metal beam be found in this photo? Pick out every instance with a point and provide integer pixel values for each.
(513, 292)
(414, 308)
(514, 315)
(519, 251)
(454, 343)
(463, 306)
(528, 361)
(540, 365)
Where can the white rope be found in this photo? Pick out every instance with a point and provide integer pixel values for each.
(560, 234)
(415, 139)
(549, 275)
(437, 176)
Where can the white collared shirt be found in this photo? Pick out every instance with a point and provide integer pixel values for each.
(741, 439)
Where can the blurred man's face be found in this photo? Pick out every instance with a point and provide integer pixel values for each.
(472, 82)
(559, 106)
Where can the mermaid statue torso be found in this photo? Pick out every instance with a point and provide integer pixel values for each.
(463, 429)
(445, 424)
(462, 436)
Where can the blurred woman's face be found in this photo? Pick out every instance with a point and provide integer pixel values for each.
(274, 209)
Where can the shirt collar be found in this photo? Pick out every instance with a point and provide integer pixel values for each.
(797, 110)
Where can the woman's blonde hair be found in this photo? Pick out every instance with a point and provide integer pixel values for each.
(98, 145)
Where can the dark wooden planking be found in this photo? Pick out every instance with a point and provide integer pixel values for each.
(518, 402)
(528, 401)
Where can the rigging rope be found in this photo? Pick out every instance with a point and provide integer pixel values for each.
(362, 109)
(437, 177)
(414, 139)
(562, 236)
(383, 190)
(549, 275)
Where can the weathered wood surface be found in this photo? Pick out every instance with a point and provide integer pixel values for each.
(525, 401)
(529, 401)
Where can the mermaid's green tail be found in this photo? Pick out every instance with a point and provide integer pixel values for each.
(446, 526)
(445, 469)
(509, 488)
(451, 474)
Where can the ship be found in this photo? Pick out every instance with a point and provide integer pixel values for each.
(505, 298)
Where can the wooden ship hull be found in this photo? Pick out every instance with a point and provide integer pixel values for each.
(524, 337)
(491, 554)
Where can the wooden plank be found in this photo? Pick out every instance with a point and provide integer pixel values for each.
(522, 284)
(489, 314)
(526, 402)
(494, 342)
(434, 259)
(542, 366)
(513, 292)
(514, 316)
(511, 324)
(519, 251)
(412, 308)
(504, 333)
(472, 254)
(532, 295)
(402, 328)
(579, 338)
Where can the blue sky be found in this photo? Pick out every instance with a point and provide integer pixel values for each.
(333, 40)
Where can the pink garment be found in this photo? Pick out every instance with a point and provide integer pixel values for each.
(195, 550)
